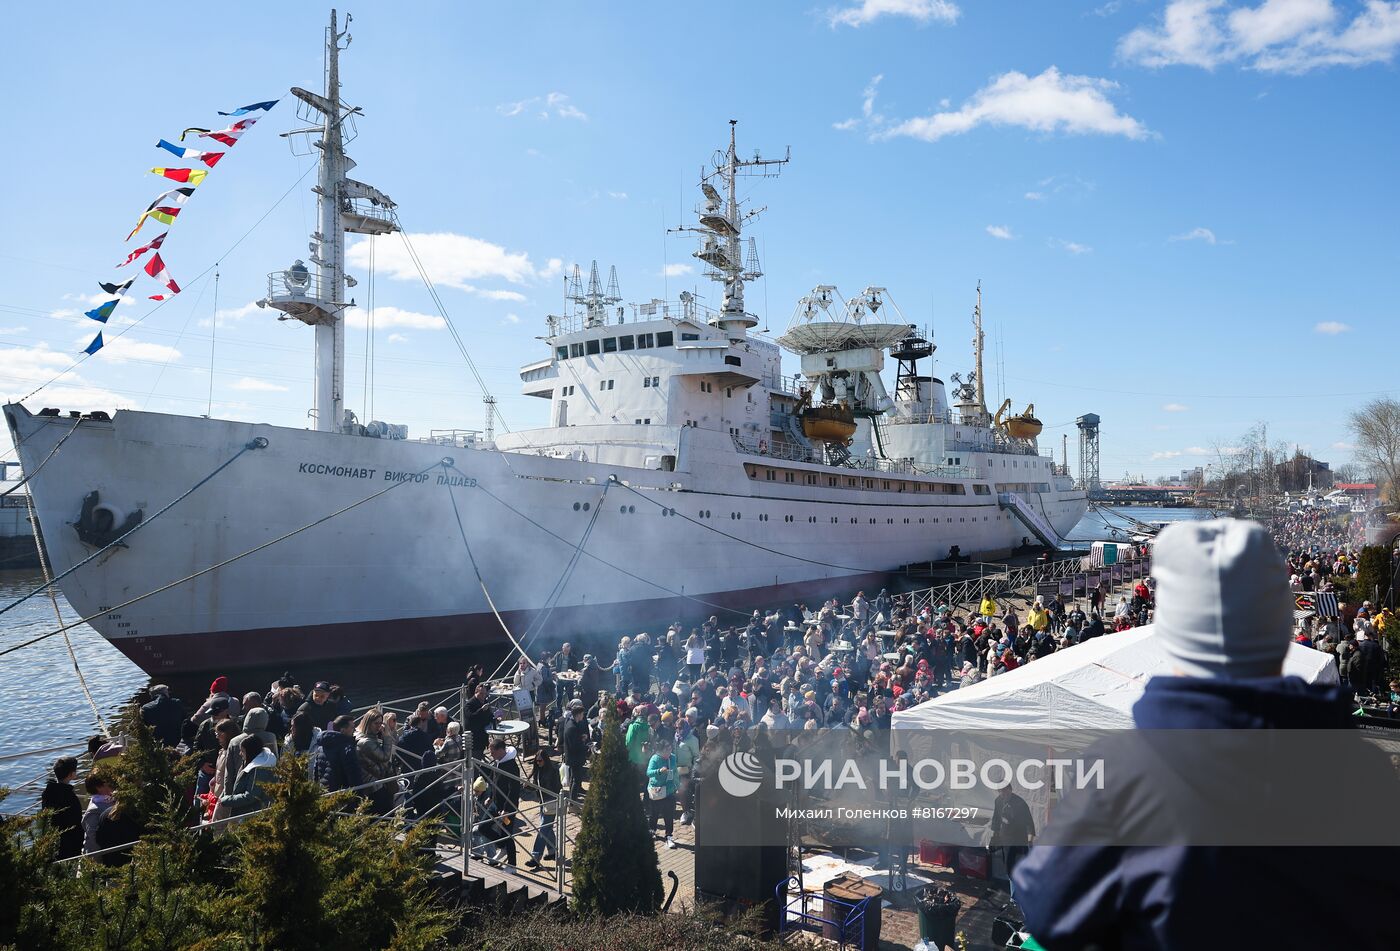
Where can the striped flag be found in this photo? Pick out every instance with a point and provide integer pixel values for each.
(156, 268)
(1326, 604)
(227, 136)
(208, 158)
(155, 243)
(264, 106)
(164, 208)
(190, 176)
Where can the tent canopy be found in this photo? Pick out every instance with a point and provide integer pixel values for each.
(1088, 686)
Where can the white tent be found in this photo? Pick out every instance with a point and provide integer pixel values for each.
(1088, 686)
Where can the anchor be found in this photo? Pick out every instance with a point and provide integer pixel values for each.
(99, 523)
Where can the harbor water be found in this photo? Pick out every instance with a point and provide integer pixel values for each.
(44, 705)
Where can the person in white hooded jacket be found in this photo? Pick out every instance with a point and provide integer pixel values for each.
(249, 794)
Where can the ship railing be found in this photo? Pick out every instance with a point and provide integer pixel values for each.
(913, 419)
(774, 449)
(560, 324)
(455, 438)
(296, 283)
(782, 384)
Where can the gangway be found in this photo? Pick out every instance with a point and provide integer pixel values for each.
(1038, 524)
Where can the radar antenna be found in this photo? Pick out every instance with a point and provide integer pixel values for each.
(722, 222)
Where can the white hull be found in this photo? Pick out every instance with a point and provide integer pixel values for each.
(394, 575)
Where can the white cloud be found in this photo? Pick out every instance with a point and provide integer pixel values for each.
(386, 317)
(553, 104)
(1000, 231)
(868, 11)
(1196, 451)
(397, 338)
(1035, 196)
(1174, 408)
(122, 349)
(253, 385)
(1331, 327)
(1047, 103)
(1108, 9)
(618, 196)
(1073, 247)
(1189, 35)
(1278, 21)
(454, 260)
(1290, 36)
(24, 368)
(1195, 234)
(511, 319)
(1166, 454)
(677, 270)
(1343, 446)
(233, 315)
(14, 330)
(868, 116)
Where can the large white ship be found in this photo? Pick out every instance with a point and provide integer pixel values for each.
(681, 474)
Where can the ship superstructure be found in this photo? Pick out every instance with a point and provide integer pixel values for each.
(681, 473)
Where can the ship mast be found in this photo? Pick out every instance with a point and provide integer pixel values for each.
(343, 206)
(977, 342)
(721, 231)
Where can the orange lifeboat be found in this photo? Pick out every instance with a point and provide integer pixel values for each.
(832, 423)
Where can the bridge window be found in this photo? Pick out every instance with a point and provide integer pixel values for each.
(686, 336)
(787, 476)
(981, 490)
(610, 345)
(644, 342)
(561, 353)
(575, 349)
(626, 342)
(590, 346)
(733, 361)
(665, 338)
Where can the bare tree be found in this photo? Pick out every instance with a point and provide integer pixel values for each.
(1376, 428)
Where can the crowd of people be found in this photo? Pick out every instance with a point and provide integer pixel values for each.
(1320, 550)
(678, 696)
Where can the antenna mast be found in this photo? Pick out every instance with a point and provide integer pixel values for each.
(722, 231)
(977, 342)
(343, 206)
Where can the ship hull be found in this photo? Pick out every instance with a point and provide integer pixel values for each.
(368, 547)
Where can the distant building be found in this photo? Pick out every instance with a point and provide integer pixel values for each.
(1293, 474)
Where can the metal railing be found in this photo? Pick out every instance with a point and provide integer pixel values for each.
(781, 449)
(296, 284)
(453, 781)
(992, 579)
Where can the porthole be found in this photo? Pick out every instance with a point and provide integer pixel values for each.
(631, 510)
(577, 506)
(585, 506)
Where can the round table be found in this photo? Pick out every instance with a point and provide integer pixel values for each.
(569, 676)
(512, 731)
(843, 617)
(892, 657)
(843, 647)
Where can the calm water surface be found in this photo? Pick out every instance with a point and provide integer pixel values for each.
(43, 705)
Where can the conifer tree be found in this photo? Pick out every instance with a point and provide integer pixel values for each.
(615, 868)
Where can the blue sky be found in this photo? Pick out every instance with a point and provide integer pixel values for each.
(1183, 214)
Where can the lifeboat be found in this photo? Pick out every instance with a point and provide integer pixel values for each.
(832, 423)
(1024, 426)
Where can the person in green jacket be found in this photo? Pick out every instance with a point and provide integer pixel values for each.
(661, 788)
(639, 733)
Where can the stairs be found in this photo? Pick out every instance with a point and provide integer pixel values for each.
(1031, 518)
